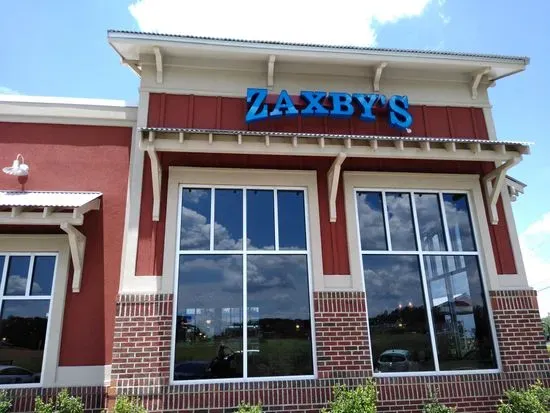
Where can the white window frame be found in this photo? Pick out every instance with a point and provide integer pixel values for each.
(426, 183)
(185, 177)
(36, 245)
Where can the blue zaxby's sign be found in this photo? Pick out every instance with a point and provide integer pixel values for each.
(342, 105)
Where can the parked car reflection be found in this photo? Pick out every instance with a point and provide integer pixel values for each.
(13, 375)
(396, 360)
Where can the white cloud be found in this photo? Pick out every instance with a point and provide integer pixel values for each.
(342, 22)
(7, 91)
(535, 247)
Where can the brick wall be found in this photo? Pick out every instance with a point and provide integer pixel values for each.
(141, 361)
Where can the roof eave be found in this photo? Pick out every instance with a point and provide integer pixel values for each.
(514, 64)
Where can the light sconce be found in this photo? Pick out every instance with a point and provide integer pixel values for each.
(18, 168)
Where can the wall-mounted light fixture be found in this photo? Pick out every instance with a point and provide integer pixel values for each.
(18, 168)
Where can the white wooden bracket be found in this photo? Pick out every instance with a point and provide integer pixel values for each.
(333, 177)
(270, 71)
(134, 65)
(378, 75)
(476, 80)
(156, 174)
(77, 245)
(492, 190)
(158, 63)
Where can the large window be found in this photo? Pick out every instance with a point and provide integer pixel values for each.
(426, 304)
(25, 296)
(242, 290)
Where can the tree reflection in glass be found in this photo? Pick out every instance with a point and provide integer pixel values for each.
(398, 323)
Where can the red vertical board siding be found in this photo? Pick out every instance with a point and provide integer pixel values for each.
(461, 120)
(176, 111)
(79, 158)
(479, 123)
(203, 112)
(438, 122)
(153, 114)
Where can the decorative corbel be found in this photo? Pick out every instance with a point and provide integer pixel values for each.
(476, 80)
(77, 245)
(333, 177)
(270, 71)
(378, 75)
(492, 190)
(158, 63)
(156, 171)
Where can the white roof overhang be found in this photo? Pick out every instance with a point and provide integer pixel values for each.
(133, 46)
(504, 153)
(63, 209)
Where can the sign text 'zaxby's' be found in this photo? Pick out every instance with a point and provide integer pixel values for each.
(343, 105)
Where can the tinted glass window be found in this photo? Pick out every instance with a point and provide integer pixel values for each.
(279, 333)
(260, 219)
(195, 219)
(400, 220)
(432, 234)
(42, 275)
(18, 271)
(371, 221)
(209, 317)
(459, 222)
(228, 227)
(23, 326)
(222, 289)
(292, 223)
(396, 310)
(460, 316)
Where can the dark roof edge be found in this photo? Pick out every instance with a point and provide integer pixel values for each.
(516, 59)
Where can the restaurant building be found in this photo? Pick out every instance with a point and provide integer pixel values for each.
(272, 219)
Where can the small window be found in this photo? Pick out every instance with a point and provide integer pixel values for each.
(24, 312)
(425, 298)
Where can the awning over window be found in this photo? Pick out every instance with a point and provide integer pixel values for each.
(505, 154)
(63, 209)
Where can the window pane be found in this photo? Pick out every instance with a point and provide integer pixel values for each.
(23, 334)
(42, 275)
(400, 220)
(459, 222)
(18, 271)
(461, 320)
(430, 222)
(398, 322)
(260, 220)
(195, 219)
(292, 220)
(228, 227)
(279, 327)
(371, 221)
(209, 317)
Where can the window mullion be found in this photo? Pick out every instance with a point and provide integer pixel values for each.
(445, 226)
(425, 285)
(212, 217)
(276, 218)
(4, 275)
(29, 276)
(245, 290)
(386, 221)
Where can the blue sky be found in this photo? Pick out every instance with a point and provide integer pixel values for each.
(59, 48)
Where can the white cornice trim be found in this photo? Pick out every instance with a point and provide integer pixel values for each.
(71, 111)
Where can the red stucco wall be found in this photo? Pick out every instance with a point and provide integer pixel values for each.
(79, 158)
